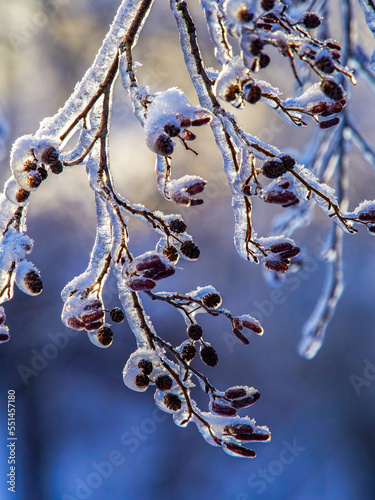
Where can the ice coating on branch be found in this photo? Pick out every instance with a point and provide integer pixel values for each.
(15, 194)
(7, 211)
(369, 10)
(28, 278)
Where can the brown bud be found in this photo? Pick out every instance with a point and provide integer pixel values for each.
(198, 122)
(329, 123)
(188, 136)
(57, 168)
(281, 247)
(75, 323)
(140, 284)
(42, 172)
(288, 161)
(252, 93)
(255, 327)
(318, 108)
(256, 46)
(223, 410)
(34, 180)
(276, 265)
(235, 392)
(246, 401)
(368, 216)
(92, 311)
(289, 254)
(240, 450)
(240, 336)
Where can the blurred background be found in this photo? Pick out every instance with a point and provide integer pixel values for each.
(81, 432)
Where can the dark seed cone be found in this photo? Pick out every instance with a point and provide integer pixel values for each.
(42, 172)
(21, 195)
(244, 16)
(332, 89)
(117, 315)
(146, 366)
(256, 47)
(33, 282)
(190, 250)
(163, 145)
(142, 380)
(57, 168)
(105, 335)
(171, 253)
(177, 226)
(195, 331)
(208, 356)
(211, 300)
(233, 91)
(34, 179)
(172, 402)
(273, 168)
(325, 64)
(267, 4)
(252, 94)
(188, 352)
(264, 60)
(288, 161)
(164, 382)
(311, 20)
(171, 130)
(50, 155)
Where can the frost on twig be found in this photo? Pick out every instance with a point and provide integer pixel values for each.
(252, 168)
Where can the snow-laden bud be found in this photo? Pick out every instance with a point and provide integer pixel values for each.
(241, 396)
(281, 193)
(365, 212)
(169, 113)
(2, 316)
(15, 193)
(230, 81)
(133, 375)
(28, 278)
(92, 314)
(4, 334)
(48, 154)
(247, 321)
(150, 265)
(181, 190)
(81, 312)
(239, 11)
